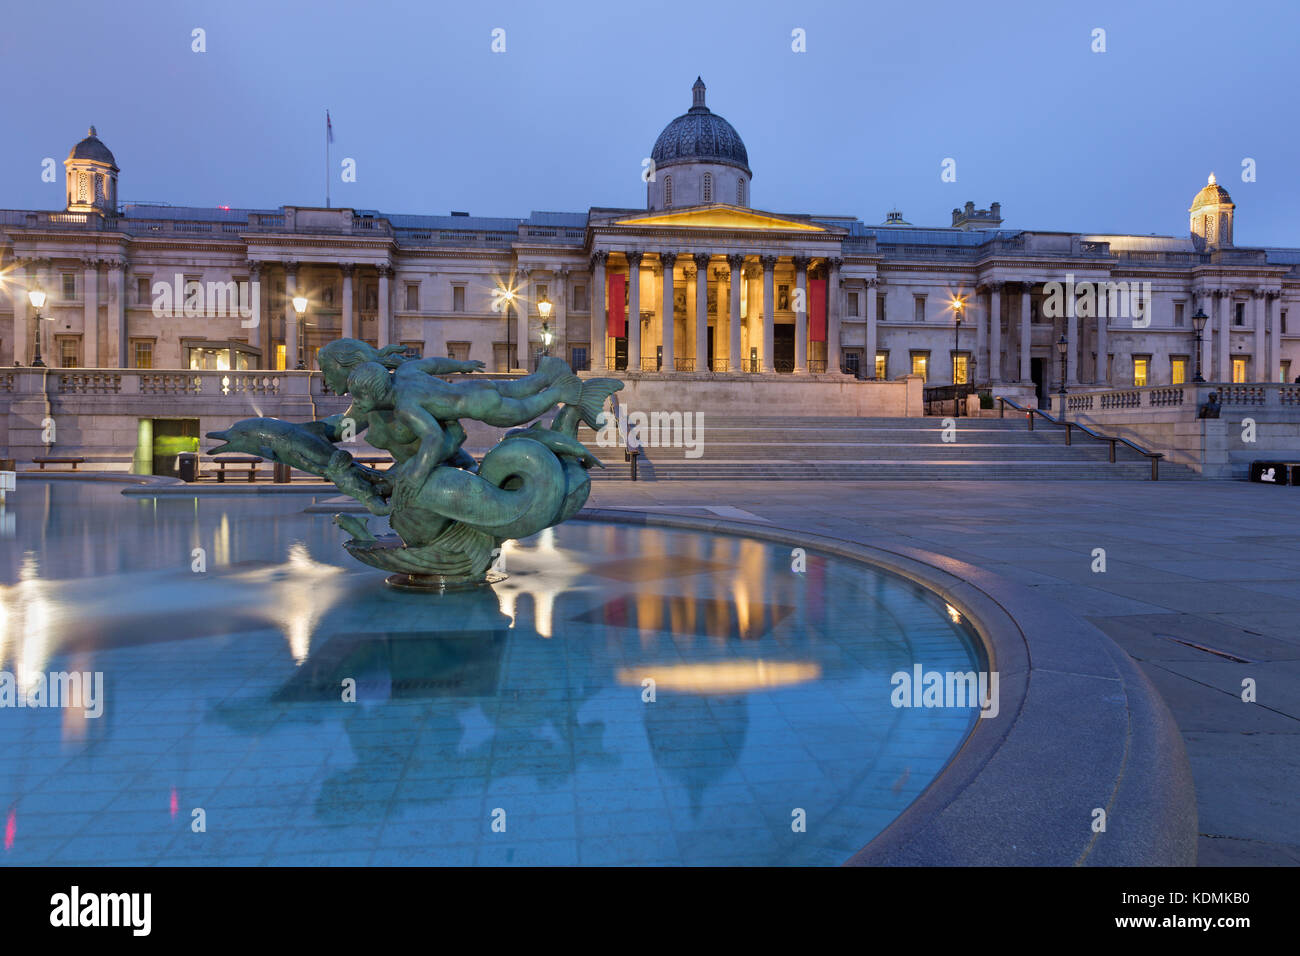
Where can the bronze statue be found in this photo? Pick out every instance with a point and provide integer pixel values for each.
(450, 512)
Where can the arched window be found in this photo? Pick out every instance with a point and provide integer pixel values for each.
(708, 187)
(740, 192)
(668, 190)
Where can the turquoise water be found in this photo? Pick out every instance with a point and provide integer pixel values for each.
(520, 707)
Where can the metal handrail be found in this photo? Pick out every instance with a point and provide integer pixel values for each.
(1154, 456)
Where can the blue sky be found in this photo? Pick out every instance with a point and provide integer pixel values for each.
(1063, 137)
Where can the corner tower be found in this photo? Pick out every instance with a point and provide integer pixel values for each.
(1211, 212)
(91, 174)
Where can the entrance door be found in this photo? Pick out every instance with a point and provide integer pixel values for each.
(783, 348)
(1040, 381)
(620, 354)
(709, 367)
(171, 436)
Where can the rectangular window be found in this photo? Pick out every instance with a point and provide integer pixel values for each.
(578, 357)
(372, 298)
(501, 357)
(853, 362)
(918, 312)
(413, 297)
(143, 350)
(1178, 313)
(458, 351)
(1239, 313)
(69, 351)
(69, 290)
(413, 349)
(1141, 370)
(882, 364)
(279, 356)
(1238, 370)
(851, 307)
(1284, 321)
(458, 298)
(880, 307)
(920, 364)
(142, 296)
(1286, 372)
(960, 368)
(1177, 370)
(580, 298)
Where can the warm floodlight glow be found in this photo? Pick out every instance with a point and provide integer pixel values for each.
(722, 677)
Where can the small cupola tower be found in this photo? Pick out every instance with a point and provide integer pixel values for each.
(91, 174)
(1211, 217)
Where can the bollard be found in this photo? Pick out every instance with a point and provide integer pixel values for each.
(281, 473)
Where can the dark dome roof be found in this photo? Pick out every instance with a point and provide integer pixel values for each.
(700, 136)
(1211, 194)
(91, 148)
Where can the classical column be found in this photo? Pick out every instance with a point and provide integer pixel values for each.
(869, 360)
(1275, 334)
(560, 314)
(634, 310)
(349, 320)
(252, 323)
(701, 311)
(600, 358)
(667, 320)
(1207, 335)
(1072, 345)
(17, 283)
(979, 357)
(801, 314)
(1225, 335)
(1027, 333)
(1100, 375)
(769, 320)
(521, 318)
(291, 317)
(385, 321)
(1259, 363)
(995, 334)
(118, 342)
(90, 313)
(834, 305)
(736, 264)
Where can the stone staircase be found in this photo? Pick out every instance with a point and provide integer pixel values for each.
(881, 449)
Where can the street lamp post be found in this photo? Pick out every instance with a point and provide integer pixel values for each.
(1062, 346)
(1198, 322)
(544, 310)
(37, 298)
(300, 307)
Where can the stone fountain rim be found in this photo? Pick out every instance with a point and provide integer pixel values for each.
(1022, 787)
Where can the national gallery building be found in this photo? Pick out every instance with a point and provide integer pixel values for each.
(698, 283)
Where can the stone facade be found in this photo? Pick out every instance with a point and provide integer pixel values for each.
(711, 286)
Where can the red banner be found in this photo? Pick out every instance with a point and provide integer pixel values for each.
(816, 310)
(616, 316)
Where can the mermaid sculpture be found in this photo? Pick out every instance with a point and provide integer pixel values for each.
(450, 512)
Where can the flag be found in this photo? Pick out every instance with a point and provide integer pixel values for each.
(616, 317)
(329, 128)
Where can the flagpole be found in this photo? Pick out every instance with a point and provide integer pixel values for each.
(327, 159)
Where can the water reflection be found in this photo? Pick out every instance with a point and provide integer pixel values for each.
(304, 691)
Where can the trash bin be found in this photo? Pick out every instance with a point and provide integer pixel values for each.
(281, 473)
(187, 466)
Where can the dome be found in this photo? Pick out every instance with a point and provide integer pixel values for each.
(93, 149)
(1211, 194)
(700, 136)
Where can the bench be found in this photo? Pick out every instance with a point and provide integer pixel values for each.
(236, 464)
(44, 460)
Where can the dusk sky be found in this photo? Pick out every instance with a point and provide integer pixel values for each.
(1063, 137)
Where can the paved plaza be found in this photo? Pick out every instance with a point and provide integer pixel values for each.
(1201, 587)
